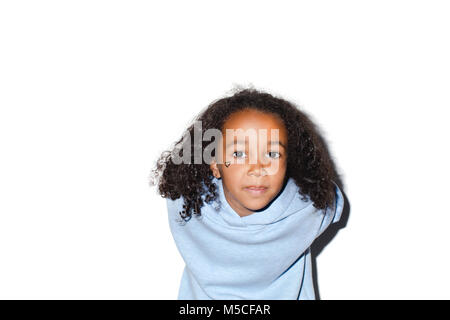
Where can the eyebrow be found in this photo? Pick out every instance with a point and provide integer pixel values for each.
(246, 142)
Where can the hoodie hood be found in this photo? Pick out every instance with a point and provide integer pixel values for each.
(281, 207)
(264, 255)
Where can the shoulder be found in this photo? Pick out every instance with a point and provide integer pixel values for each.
(174, 207)
(338, 204)
(333, 213)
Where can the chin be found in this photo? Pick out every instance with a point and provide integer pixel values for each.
(256, 205)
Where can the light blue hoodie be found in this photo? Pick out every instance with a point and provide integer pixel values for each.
(265, 255)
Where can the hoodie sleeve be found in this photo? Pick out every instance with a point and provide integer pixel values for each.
(333, 214)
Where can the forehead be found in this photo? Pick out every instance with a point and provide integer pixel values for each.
(254, 119)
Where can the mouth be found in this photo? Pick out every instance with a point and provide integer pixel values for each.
(256, 190)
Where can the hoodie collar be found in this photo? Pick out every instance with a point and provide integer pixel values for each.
(277, 210)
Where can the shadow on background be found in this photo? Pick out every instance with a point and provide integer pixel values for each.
(321, 242)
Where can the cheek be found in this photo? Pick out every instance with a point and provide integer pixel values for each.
(276, 170)
(232, 176)
(283, 168)
(277, 180)
(233, 170)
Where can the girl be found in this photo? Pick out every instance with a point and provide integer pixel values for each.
(258, 203)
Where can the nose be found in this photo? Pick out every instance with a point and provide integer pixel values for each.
(256, 169)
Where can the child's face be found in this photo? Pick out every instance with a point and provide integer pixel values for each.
(252, 164)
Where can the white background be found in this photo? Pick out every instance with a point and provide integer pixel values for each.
(91, 92)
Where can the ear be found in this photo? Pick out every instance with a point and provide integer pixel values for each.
(215, 169)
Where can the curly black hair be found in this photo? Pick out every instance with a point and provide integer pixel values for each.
(308, 160)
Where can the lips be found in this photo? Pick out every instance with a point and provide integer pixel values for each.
(256, 190)
(256, 187)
